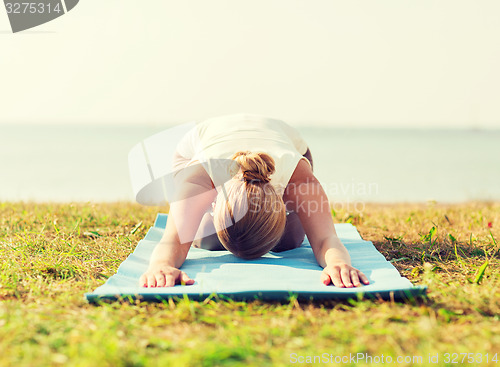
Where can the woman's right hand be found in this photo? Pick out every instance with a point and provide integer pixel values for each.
(162, 275)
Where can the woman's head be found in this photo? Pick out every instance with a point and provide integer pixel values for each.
(249, 215)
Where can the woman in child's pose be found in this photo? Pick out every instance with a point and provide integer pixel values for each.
(256, 174)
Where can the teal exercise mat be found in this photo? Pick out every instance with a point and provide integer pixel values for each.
(275, 276)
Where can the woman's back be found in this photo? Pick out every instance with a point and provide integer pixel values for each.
(222, 137)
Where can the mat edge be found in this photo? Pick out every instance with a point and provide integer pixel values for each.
(402, 294)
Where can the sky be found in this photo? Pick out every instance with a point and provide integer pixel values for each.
(383, 63)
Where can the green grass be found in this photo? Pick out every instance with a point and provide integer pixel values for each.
(51, 254)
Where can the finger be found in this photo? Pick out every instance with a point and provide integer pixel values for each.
(160, 280)
(185, 279)
(335, 277)
(346, 277)
(325, 278)
(143, 281)
(169, 280)
(355, 278)
(151, 281)
(363, 278)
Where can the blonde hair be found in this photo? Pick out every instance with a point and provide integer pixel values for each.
(249, 215)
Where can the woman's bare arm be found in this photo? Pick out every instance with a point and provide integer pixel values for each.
(193, 196)
(306, 197)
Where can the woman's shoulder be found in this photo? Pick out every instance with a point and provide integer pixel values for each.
(302, 173)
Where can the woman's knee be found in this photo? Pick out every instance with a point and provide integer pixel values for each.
(294, 234)
(207, 238)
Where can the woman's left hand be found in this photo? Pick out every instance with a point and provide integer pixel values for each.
(343, 275)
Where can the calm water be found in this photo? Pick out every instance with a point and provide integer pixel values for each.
(89, 163)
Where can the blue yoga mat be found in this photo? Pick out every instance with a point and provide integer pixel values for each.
(275, 276)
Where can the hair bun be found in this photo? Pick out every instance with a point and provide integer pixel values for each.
(255, 166)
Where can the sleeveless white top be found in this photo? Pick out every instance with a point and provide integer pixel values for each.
(221, 137)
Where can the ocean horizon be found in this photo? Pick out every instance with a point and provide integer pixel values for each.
(81, 163)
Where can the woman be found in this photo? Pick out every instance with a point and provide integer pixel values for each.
(256, 174)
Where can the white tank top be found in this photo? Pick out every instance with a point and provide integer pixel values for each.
(221, 137)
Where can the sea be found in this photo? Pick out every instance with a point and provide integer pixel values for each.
(89, 163)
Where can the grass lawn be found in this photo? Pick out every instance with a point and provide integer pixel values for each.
(51, 254)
